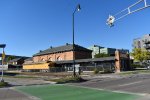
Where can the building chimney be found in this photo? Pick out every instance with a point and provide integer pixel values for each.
(67, 43)
(51, 47)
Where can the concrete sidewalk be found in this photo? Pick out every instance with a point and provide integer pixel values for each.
(11, 94)
(26, 81)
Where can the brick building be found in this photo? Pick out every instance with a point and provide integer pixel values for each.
(62, 53)
(53, 54)
(62, 57)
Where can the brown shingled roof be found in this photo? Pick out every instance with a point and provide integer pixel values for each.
(68, 47)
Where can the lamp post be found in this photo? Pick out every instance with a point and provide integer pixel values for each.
(3, 56)
(78, 8)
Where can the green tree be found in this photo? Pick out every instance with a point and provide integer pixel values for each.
(100, 55)
(140, 54)
(10, 58)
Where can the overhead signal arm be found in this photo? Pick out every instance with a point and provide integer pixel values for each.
(113, 18)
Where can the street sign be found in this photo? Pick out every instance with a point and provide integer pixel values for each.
(3, 67)
(77, 66)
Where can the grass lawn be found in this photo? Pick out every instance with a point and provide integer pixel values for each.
(64, 92)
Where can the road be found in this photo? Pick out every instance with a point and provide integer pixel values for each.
(11, 94)
(139, 83)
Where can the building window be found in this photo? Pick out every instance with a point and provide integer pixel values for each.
(42, 59)
(59, 58)
(50, 59)
(139, 44)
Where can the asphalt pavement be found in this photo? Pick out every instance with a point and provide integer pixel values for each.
(138, 83)
(11, 94)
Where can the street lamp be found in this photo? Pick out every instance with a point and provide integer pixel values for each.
(3, 56)
(2, 45)
(78, 8)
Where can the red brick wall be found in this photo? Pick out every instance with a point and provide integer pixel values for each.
(117, 62)
(119, 58)
(63, 56)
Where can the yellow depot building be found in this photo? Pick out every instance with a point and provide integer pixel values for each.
(36, 66)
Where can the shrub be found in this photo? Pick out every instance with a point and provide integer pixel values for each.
(108, 71)
(69, 80)
(96, 71)
(137, 66)
(3, 84)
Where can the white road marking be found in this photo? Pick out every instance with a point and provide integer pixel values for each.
(130, 83)
(126, 92)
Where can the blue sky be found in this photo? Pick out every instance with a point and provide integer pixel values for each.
(27, 26)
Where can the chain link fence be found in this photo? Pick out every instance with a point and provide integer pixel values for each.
(102, 67)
